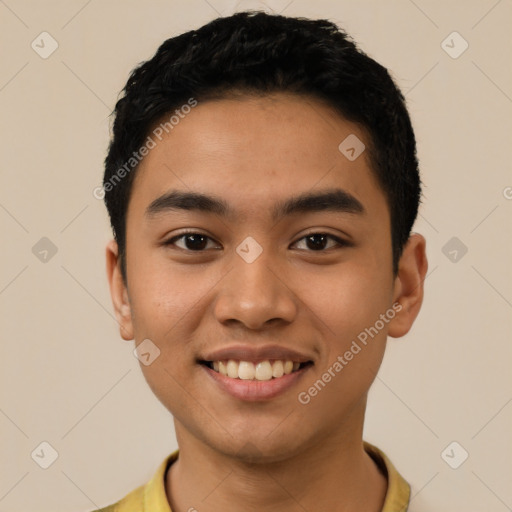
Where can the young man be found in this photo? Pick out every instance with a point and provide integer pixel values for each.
(262, 184)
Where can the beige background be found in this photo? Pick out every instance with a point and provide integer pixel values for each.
(66, 376)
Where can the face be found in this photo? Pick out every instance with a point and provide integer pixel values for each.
(250, 274)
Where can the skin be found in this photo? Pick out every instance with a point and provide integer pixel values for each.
(278, 454)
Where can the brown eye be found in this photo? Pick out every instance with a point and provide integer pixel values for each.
(318, 242)
(190, 241)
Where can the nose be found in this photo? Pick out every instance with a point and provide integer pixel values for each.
(255, 295)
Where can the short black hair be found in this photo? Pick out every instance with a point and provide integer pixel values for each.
(257, 53)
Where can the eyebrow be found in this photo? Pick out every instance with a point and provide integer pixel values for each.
(333, 200)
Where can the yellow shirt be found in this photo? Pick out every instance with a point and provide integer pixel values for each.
(151, 497)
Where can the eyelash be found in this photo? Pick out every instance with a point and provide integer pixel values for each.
(341, 243)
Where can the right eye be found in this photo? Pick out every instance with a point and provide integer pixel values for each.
(191, 241)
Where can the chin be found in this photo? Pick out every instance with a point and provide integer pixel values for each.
(251, 448)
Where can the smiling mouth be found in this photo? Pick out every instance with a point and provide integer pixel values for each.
(262, 370)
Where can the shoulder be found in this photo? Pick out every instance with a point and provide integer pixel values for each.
(150, 497)
(132, 502)
(398, 492)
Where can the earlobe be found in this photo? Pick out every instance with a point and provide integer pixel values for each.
(118, 292)
(408, 290)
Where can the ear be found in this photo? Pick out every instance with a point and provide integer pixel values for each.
(119, 292)
(408, 289)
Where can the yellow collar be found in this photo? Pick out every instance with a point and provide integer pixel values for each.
(152, 497)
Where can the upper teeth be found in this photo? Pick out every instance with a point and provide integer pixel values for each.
(246, 370)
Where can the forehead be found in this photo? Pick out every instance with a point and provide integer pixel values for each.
(255, 150)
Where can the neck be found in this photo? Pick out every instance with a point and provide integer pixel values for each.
(333, 474)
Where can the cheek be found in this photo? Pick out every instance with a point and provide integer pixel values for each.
(166, 308)
(347, 298)
(346, 306)
(162, 295)
(348, 311)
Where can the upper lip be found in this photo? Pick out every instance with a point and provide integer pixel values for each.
(252, 353)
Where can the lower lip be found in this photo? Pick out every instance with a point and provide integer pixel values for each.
(255, 390)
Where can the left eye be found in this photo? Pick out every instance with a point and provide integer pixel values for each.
(198, 242)
(318, 241)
